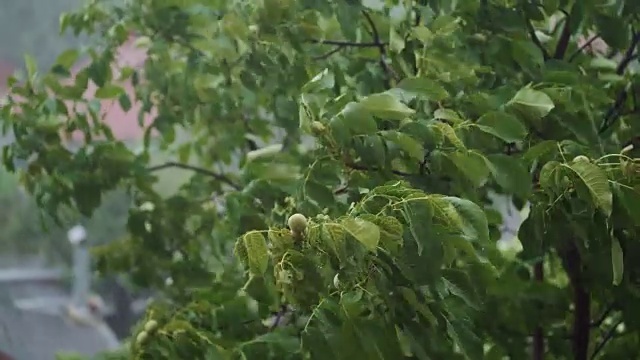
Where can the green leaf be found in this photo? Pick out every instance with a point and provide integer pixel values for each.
(472, 164)
(322, 81)
(109, 91)
(419, 306)
(419, 215)
(279, 338)
(321, 194)
(372, 150)
(469, 343)
(358, 119)
(408, 144)
(532, 103)
(257, 252)
(503, 126)
(596, 181)
(527, 54)
(550, 176)
(448, 133)
(511, 174)
(539, 150)
(125, 102)
(386, 106)
(474, 224)
(612, 30)
(377, 5)
(449, 115)
(424, 88)
(628, 199)
(68, 58)
(423, 34)
(459, 284)
(267, 152)
(305, 115)
(31, 65)
(367, 233)
(396, 42)
(617, 261)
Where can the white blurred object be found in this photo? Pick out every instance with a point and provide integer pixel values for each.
(77, 234)
(81, 269)
(97, 306)
(512, 219)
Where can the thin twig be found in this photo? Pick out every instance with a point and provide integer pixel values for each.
(536, 41)
(381, 46)
(580, 331)
(583, 47)
(327, 54)
(341, 190)
(604, 316)
(538, 334)
(366, 168)
(215, 175)
(614, 111)
(605, 339)
(629, 54)
(565, 37)
(348, 43)
(251, 145)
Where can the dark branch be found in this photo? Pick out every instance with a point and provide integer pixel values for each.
(605, 339)
(365, 168)
(584, 46)
(199, 170)
(629, 54)
(329, 53)
(381, 46)
(341, 190)
(581, 328)
(614, 111)
(536, 41)
(348, 43)
(565, 37)
(604, 316)
(538, 334)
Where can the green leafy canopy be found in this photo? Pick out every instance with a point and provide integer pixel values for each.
(385, 123)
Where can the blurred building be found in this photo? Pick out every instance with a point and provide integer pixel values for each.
(41, 315)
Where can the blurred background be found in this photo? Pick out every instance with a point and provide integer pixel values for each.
(50, 301)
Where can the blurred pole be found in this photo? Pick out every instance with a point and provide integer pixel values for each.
(81, 266)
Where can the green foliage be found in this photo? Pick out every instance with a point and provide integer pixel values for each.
(25, 230)
(414, 111)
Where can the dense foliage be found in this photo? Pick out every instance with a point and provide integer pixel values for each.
(418, 109)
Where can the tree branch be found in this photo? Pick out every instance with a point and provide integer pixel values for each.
(375, 43)
(565, 37)
(173, 164)
(614, 111)
(581, 301)
(603, 317)
(584, 46)
(365, 168)
(536, 41)
(381, 46)
(629, 54)
(329, 53)
(605, 339)
(538, 334)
